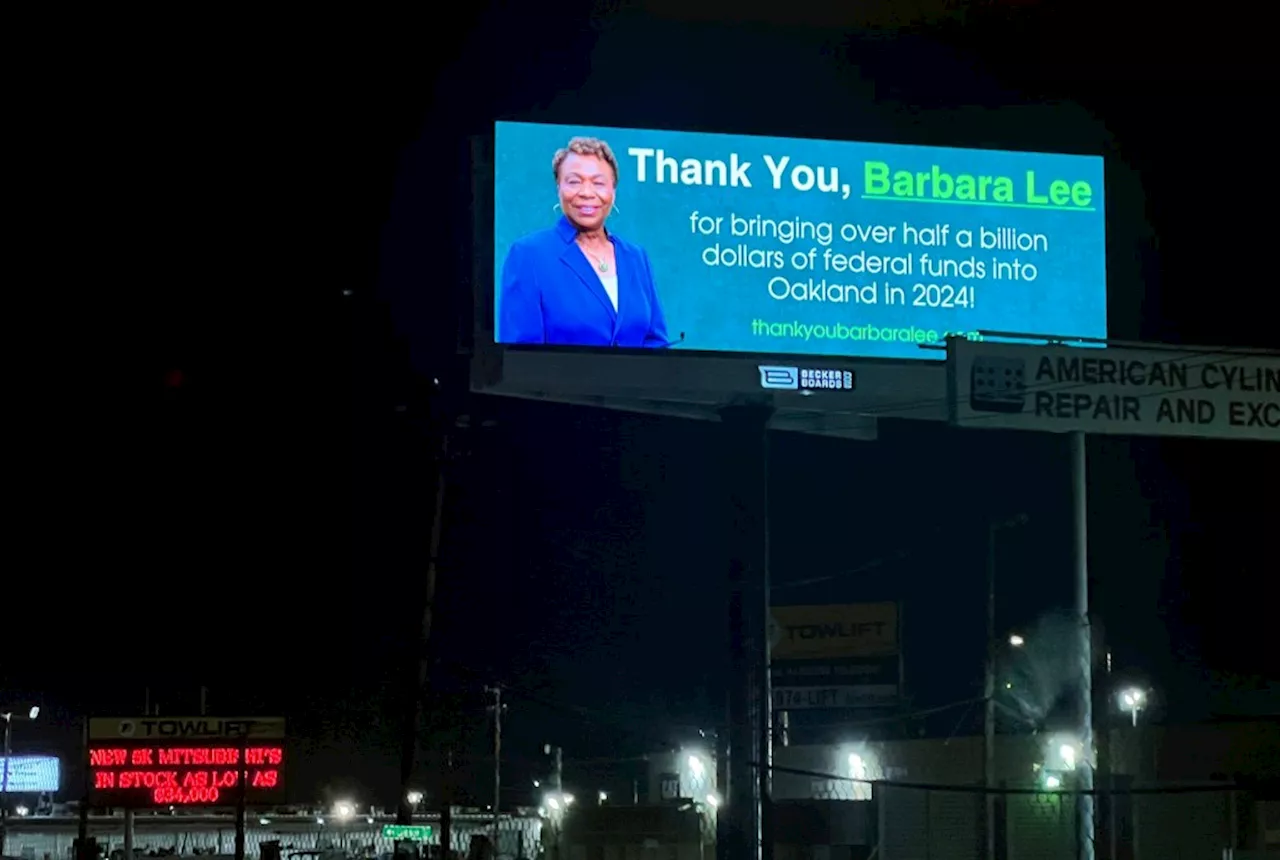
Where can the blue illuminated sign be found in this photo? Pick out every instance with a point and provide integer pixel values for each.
(782, 246)
(31, 774)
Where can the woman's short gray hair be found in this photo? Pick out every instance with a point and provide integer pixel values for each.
(587, 146)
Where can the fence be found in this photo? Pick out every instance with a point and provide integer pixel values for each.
(518, 836)
(915, 822)
(897, 821)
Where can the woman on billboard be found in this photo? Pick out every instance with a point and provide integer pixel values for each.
(578, 283)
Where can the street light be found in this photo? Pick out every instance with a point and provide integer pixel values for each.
(1017, 641)
(1133, 700)
(9, 717)
(414, 798)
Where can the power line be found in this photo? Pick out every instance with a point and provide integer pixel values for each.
(632, 725)
(965, 788)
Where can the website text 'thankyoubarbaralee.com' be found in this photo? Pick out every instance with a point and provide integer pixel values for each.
(865, 332)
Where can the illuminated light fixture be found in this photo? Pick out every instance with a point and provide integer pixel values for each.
(713, 801)
(1133, 700)
(34, 712)
(264, 821)
(22, 811)
(568, 800)
(695, 765)
(320, 820)
(553, 803)
(1052, 781)
(1068, 754)
(414, 798)
(602, 796)
(1017, 641)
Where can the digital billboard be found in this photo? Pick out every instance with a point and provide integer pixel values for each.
(30, 774)
(191, 761)
(665, 240)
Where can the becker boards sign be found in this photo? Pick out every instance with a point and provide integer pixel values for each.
(1116, 390)
(833, 632)
(184, 728)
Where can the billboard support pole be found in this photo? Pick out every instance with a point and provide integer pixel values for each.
(242, 797)
(129, 819)
(1080, 570)
(82, 826)
(750, 738)
(422, 664)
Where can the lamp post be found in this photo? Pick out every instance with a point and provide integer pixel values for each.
(9, 717)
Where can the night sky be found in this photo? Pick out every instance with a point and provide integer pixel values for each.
(224, 477)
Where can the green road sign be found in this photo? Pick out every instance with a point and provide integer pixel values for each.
(407, 832)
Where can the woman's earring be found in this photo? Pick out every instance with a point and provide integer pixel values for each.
(614, 210)
(556, 208)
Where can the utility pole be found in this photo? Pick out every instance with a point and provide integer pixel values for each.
(446, 806)
(989, 701)
(557, 770)
(4, 780)
(557, 791)
(989, 687)
(497, 762)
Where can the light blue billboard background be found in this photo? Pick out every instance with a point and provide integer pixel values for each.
(731, 309)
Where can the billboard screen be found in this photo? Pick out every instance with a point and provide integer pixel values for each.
(30, 773)
(194, 761)
(609, 237)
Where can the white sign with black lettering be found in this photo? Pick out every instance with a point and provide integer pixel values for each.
(860, 696)
(1115, 390)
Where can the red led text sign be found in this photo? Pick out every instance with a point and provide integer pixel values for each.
(174, 761)
(178, 775)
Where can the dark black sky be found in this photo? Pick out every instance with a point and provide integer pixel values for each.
(261, 529)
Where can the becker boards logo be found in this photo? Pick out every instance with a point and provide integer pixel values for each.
(831, 632)
(778, 378)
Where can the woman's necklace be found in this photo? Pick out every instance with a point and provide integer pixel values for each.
(601, 263)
